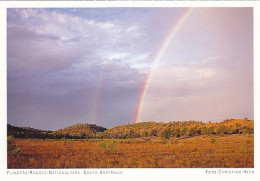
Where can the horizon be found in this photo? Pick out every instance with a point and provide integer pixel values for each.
(164, 122)
(114, 66)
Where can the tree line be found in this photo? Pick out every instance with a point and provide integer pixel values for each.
(148, 129)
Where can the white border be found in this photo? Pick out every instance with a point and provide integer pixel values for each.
(129, 174)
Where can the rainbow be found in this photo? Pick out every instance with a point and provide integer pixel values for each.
(156, 58)
(97, 101)
(99, 94)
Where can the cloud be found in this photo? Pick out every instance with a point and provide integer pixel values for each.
(212, 91)
(71, 65)
(206, 74)
(65, 58)
(60, 40)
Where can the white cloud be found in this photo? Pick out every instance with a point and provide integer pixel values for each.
(65, 40)
(26, 13)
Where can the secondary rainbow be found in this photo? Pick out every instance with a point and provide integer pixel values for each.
(157, 57)
(99, 94)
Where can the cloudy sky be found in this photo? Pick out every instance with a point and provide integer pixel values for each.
(68, 66)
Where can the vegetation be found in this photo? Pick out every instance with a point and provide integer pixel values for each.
(138, 130)
(78, 131)
(180, 129)
(166, 134)
(228, 151)
(11, 147)
(81, 130)
(108, 146)
(149, 144)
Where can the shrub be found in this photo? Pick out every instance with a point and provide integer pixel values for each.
(243, 148)
(226, 120)
(168, 143)
(108, 146)
(175, 141)
(165, 134)
(221, 129)
(212, 139)
(64, 142)
(195, 146)
(191, 131)
(180, 144)
(147, 140)
(184, 131)
(153, 132)
(16, 151)
(11, 147)
(10, 140)
(71, 142)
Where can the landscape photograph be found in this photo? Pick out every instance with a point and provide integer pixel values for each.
(130, 88)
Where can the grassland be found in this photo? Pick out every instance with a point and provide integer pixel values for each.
(231, 151)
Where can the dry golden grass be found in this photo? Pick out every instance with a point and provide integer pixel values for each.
(202, 151)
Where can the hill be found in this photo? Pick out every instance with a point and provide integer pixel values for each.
(81, 130)
(184, 128)
(25, 132)
(137, 130)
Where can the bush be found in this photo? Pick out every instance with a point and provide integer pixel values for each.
(153, 132)
(108, 146)
(16, 151)
(222, 129)
(212, 139)
(10, 140)
(180, 144)
(177, 133)
(147, 140)
(195, 146)
(71, 142)
(64, 142)
(11, 147)
(243, 148)
(165, 134)
(175, 141)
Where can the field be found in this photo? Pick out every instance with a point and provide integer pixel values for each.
(229, 151)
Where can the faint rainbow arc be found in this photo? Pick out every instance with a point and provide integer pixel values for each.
(97, 101)
(157, 57)
(99, 94)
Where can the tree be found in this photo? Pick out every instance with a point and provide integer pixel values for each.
(184, 131)
(198, 131)
(144, 134)
(221, 129)
(177, 133)
(165, 134)
(153, 132)
(131, 134)
(192, 132)
(204, 131)
(226, 120)
(211, 130)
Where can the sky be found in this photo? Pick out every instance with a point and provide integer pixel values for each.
(89, 65)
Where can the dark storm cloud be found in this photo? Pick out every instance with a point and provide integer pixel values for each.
(67, 66)
(56, 75)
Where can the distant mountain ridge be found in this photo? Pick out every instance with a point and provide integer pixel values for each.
(143, 129)
(25, 129)
(20, 132)
(32, 129)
